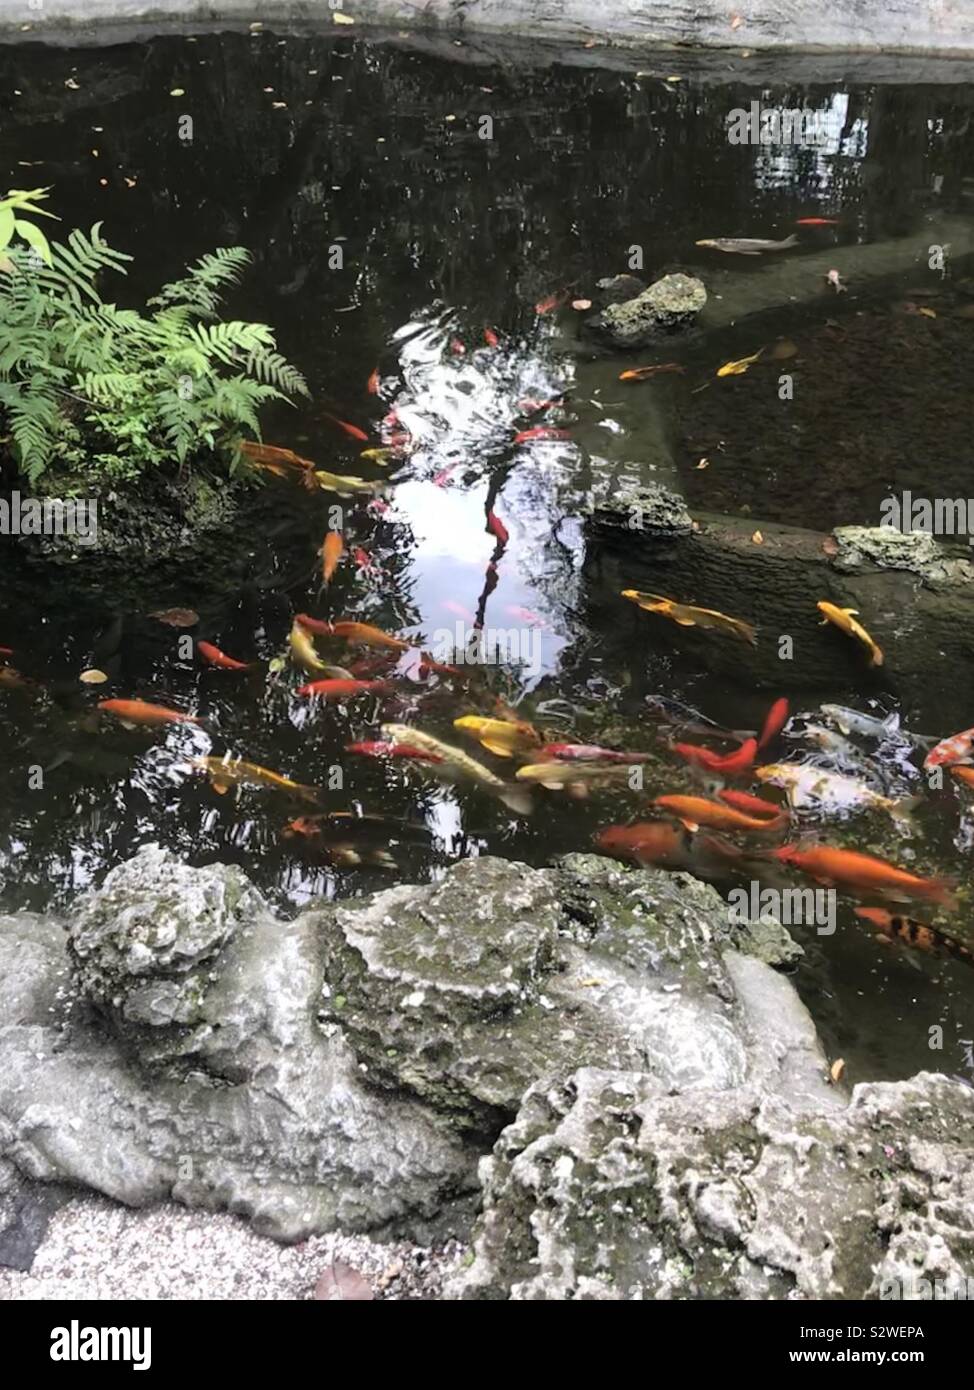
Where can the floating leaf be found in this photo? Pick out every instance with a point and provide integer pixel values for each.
(704, 463)
(837, 1070)
(74, 86)
(276, 664)
(581, 305)
(340, 1282)
(176, 617)
(339, 18)
(93, 677)
(177, 92)
(757, 538)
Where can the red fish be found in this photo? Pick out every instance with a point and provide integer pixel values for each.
(540, 432)
(315, 625)
(372, 385)
(753, 805)
(374, 749)
(6, 651)
(352, 430)
(588, 753)
(497, 528)
(553, 301)
(774, 722)
(956, 749)
(647, 842)
(457, 348)
(140, 712)
(730, 764)
(363, 560)
(864, 875)
(491, 338)
(215, 657)
(338, 689)
(817, 222)
(437, 667)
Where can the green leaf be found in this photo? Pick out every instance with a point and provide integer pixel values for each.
(6, 225)
(34, 238)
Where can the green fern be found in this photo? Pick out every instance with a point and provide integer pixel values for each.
(155, 386)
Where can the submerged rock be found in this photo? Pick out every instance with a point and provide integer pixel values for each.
(605, 1187)
(669, 304)
(651, 509)
(861, 547)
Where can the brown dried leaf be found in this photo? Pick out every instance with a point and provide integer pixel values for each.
(757, 538)
(176, 617)
(704, 463)
(837, 1071)
(341, 1283)
(93, 677)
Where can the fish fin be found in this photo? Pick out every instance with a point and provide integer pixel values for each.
(684, 622)
(892, 722)
(221, 788)
(127, 724)
(501, 749)
(518, 799)
(876, 656)
(689, 824)
(553, 786)
(790, 240)
(850, 612)
(579, 790)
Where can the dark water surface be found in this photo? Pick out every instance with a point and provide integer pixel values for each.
(443, 234)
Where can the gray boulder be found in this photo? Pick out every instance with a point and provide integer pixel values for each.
(669, 304)
(608, 1188)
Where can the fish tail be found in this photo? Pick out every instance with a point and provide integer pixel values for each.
(517, 799)
(790, 240)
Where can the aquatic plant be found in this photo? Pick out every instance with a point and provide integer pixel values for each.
(111, 391)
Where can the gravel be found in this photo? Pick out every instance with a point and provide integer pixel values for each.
(95, 1249)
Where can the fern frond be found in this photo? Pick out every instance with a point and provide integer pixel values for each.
(199, 289)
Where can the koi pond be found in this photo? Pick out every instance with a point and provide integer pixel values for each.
(433, 274)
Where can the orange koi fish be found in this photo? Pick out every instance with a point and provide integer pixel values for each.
(140, 712)
(816, 222)
(553, 301)
(215, 657)
(331, 553)
(372, 385)
(491, 338)
(752, 805)
(862, 874)
(644, 373)
(333, 689)
(363, 633)
(695, 811)
(646, 842)
(728, 764)
(352, 431)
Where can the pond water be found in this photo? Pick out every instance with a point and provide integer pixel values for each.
(302, 145)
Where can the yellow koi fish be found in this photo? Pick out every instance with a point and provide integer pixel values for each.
(501, 736)
(689, 616)
(225, 773)
(303, 652)
(739, 367)
(845, 620)
(344, 484)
